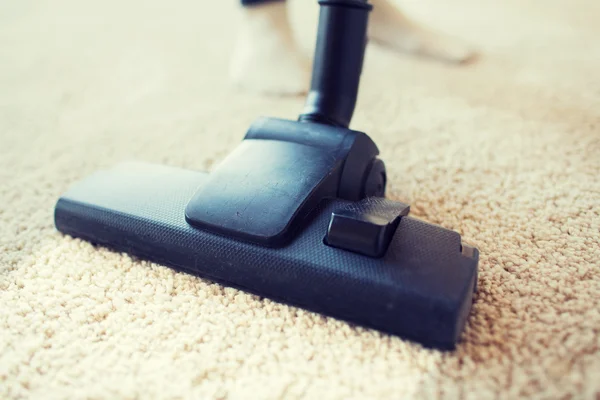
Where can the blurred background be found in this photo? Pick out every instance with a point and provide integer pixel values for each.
(156, 70)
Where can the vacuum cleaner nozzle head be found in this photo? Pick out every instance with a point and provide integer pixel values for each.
(272, 219)
(296, 213)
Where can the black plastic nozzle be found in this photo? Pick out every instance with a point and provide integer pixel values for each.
(337, 65)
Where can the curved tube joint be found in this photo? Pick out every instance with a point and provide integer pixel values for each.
(338, 62)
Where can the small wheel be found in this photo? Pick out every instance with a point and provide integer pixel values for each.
(376, 180)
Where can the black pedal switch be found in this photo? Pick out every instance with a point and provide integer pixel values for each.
(366, 227)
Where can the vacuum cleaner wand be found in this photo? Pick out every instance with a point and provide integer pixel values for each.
(295, 213)
(338, 60)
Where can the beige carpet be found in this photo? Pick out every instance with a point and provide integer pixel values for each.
(506, 151)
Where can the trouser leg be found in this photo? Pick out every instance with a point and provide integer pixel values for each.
(256, 2)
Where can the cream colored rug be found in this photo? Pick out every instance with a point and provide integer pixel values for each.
(506, 151)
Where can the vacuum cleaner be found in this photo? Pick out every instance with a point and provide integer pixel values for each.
(296, 213)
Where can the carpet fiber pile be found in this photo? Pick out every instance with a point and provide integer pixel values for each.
(506, 151)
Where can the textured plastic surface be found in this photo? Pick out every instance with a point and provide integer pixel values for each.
(365, 227)
(420, 289)
(277, 175)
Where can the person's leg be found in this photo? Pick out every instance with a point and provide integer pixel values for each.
(255, 2)
(266, 57)
(390, 27)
